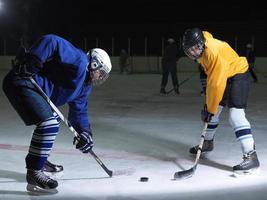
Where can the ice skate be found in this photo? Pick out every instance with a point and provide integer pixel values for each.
(250, 165)
(163, 92)
(53, 170)
(206, 148)
(176, 90)
(38, 182)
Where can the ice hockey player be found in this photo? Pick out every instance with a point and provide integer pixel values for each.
(66, 74)
(227, 84)
(169, 59)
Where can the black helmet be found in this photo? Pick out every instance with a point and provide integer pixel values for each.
(193, 37)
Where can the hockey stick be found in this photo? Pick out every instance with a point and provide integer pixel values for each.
(109, 172)
(168, 92)
(190, 172)
(181, 83)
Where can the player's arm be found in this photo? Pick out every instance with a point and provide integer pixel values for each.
(216, 84)
(32, 61)
(78, 110)
(78, 117)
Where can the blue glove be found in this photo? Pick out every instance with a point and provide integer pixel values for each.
(205, 115)
(84, 142)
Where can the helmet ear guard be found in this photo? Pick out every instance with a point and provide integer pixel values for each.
(193, 38)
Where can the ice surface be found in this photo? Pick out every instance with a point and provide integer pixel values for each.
(139, 133)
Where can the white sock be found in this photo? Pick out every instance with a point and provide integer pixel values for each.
(247, 143)
(213, 124)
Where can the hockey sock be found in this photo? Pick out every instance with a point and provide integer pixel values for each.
(247, 142)
(242, 129)
(42, 142)
(213, 124)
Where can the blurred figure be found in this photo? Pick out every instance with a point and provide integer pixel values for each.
(123, 61)
(169, 60)
(251, 61)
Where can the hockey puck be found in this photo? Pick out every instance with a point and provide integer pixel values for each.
(144, 179)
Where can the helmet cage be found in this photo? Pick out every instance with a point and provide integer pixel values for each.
(191, 53)
(98, 76)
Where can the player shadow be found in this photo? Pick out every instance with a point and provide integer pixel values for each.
(204, 160)
(22, 193)
(13, 192)
(79, 179)
(145, 147)
(15, 176)
(214, 164)
(167, 149)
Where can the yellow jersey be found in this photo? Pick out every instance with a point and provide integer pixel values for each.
(220, 62)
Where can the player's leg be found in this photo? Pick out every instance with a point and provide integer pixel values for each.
(212, 125)
(175, 84)
(51, 169)
(252, 72)
(41, 145)
(164, 80)
(209, 137)
(33, 109)
(241, 126)
(243, 134)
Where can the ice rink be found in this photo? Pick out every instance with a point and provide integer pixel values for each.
(139, 133)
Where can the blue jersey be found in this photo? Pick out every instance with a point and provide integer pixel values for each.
(63, 76)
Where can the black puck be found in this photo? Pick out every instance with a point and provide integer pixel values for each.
(144, 179)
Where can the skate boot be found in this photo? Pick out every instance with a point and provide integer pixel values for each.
(52, 170)
(39, 182)
(163, 91)
(207, 147)
(176, 90)
(249, 165)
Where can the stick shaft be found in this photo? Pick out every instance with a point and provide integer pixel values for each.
(181, 83)
(201, 142)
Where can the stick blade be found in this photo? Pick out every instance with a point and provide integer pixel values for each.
(110, 173)
(184, 174)
(168, 92)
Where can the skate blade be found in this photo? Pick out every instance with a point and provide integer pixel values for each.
(35, 190)
(54, 175)
(244, 173)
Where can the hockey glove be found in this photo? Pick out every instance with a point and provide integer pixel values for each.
(84, 142)
(27, 66)
(205, 115)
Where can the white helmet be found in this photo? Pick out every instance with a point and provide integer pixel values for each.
(249, 46)
(170, 40)
(99, 65)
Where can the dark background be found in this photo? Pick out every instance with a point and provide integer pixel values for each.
(84, 21)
